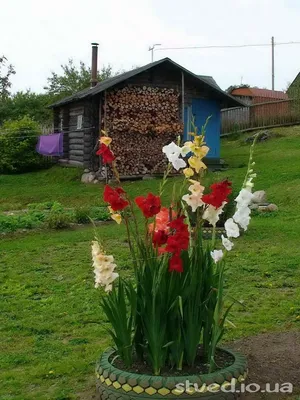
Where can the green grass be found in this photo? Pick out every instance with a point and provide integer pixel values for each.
(52, 328)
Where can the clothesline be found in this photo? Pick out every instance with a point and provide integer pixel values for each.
(39, 133)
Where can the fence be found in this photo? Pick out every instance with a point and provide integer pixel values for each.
(279, 112)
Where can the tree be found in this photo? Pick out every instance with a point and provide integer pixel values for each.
(5, 83)
(232, 87)
(27, 103)
(73, 79)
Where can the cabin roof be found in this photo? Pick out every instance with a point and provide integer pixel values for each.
(229, 100)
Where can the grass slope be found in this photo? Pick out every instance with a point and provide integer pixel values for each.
(51, 326)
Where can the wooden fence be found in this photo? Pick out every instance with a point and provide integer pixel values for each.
(261, 115)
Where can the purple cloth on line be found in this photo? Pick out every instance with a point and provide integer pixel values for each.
(50, 145)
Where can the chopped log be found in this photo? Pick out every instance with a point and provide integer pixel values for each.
(141, 120)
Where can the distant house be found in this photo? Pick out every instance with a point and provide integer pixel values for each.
(142, 110)
(253, 95)
(294, 88)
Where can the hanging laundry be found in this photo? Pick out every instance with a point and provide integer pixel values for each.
(50, 145)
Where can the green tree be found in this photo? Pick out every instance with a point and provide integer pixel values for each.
(5, 74)
(27, 103)
(73, 79)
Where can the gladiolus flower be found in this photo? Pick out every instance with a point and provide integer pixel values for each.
(212, 214)
(194, 200)
(188, 172)
(107, 155)
(196, 163)
(227, 243)
(161, 220)
(232, 229)
(103, 267)
(217, 255)
(115, 197)
(172, 151)
(105, 140)
(175, 264)
(244, 198)
(117, 218)
(160, 238)
(219, 194)
(149, 205)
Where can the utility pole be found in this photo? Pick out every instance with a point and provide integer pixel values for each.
(273, 67)
(152, 50)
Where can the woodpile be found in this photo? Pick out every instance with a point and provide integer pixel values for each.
(141, 120)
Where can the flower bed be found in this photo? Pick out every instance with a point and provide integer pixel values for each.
(113, 382)
(49, 215)
(176, 301)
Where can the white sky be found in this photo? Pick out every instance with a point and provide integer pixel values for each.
(37, 36)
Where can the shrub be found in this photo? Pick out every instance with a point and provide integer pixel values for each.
(81, 215)
(99, 214)
(17, 147)
(58, 220)
(47, 205)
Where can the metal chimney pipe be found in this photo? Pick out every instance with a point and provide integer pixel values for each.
(94, 80)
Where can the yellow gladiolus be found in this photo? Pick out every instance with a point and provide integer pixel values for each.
(188, 172)
(196, 163)
(105, 140)
(117, 217)
(201, 151)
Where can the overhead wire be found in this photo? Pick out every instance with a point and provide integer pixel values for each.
(226, 46)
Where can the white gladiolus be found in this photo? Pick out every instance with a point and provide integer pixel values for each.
(244, 198)
(227, 243)
(212, 214)
(193, 200)
(177, 162)
(217, 255)
(242, 217)
(103, 268)
(232, 229)
(172, 151)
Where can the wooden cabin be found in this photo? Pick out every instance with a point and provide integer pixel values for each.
(142, 110)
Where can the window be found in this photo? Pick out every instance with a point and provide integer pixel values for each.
(79, 122)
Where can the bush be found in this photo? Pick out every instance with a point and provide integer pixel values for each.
(58, 220)
(18, 141)
(81, 215)
(99, 214)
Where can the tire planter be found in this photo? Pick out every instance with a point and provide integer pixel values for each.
(114, 384)
(207, 232)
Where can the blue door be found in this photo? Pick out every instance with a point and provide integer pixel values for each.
(201, 109)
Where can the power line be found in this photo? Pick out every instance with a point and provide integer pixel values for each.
(233, 46)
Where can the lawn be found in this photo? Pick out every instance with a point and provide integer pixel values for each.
(51, 326)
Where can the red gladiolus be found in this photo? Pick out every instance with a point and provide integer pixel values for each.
(178, 224)
(175, 264)
(159, 237)
(149, 205)
(115, 197)
(219, 194)
(107, 155)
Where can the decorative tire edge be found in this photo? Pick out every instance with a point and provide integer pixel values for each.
(115, 384)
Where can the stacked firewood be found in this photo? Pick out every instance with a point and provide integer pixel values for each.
(140, 156)
(141, 120)
(143, 110)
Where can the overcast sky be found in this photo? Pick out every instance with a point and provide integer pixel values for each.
(38, 36)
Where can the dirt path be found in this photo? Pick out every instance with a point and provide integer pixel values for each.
(272, 357)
